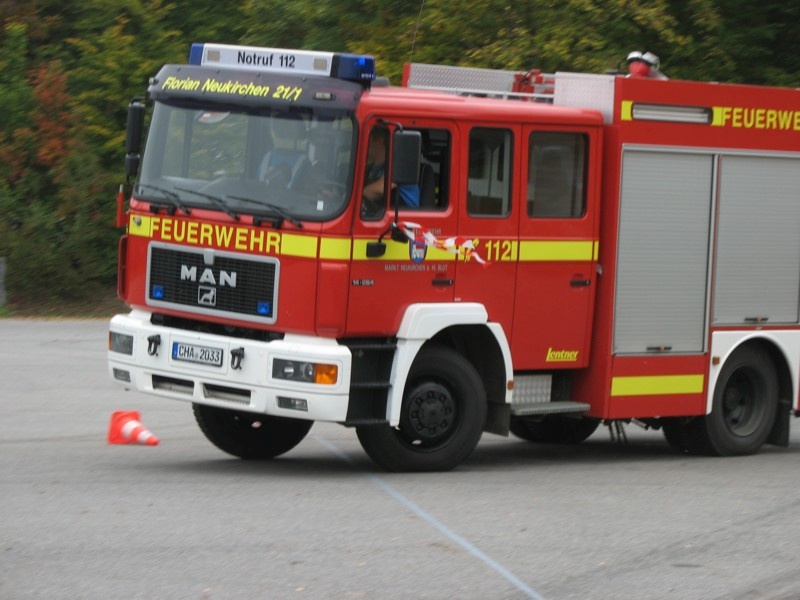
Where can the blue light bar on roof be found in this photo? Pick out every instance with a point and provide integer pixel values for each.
(352, 67)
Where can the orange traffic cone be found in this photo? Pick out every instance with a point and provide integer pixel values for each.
(125, 428)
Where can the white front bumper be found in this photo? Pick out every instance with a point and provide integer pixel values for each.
(251, 387)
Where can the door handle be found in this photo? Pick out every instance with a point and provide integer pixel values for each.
(580, 282)
(442, 282)
(756, 319)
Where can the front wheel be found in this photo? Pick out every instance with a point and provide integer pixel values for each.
(249, 435)
(441, 418)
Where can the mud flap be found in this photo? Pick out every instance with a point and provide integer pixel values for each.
(779, 436)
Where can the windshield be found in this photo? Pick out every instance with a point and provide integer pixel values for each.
(289, 164)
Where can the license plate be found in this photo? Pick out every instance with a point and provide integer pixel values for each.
(202, 355)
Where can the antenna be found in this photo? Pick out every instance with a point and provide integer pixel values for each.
(416, 29)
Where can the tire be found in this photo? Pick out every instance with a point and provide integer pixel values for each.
(745, 404)
(742, 412)
(553, 429)
(441, 418)
(686, 435)
(249, 435)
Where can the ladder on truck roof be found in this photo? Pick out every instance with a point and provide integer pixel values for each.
(492, 83)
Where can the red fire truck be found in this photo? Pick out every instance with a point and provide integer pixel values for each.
(473, 251)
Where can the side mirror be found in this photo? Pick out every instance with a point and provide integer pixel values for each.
(378, 249)
(133, 137)
(406, 152)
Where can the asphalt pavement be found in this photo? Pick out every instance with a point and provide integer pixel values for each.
(80, 518)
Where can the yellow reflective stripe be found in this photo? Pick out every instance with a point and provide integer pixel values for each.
(556, 250)
(529, 251)
(398, 251)
(394, 250)
(334, 248)
(626, 110)
(718, 116)
(657, 385)
(439, 254)
(299, 245)
(141, 225)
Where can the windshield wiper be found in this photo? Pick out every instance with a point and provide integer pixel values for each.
(174, 200)
(280, 212)
(219, 202)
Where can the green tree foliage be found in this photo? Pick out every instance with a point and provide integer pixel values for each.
(55, 231)
(15, 95)
(68, 70)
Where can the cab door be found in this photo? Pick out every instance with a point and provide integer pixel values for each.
(488, 220)
(384, 284)
(558, 247)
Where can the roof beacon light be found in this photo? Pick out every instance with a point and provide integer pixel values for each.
(352, 67)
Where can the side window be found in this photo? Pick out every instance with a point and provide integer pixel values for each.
(431, 191)
(434, 170)
(490, 159)
(556, 174)
(373, 192)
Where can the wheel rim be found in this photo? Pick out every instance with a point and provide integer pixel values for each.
(430, 416)
(239, 423)
(244, 428)
(741, 404)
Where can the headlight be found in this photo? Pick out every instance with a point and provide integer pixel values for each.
(119, 342)
(307, 372)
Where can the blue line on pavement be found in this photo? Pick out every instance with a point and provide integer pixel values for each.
(466, 545)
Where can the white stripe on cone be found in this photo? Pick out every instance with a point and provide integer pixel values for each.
(136, 432)
(125, 428)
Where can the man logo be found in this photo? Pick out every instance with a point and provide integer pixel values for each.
(223, 279)
(207, 296)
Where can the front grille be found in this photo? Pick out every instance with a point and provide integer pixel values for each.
(228, 394)
(171, 384)
(213, 282)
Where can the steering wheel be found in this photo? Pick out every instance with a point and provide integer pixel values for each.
(371, 209)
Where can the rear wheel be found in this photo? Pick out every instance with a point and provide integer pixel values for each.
(745, 404)
(742, 413)
(553, 429)
(249, 435)
(441, 418)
